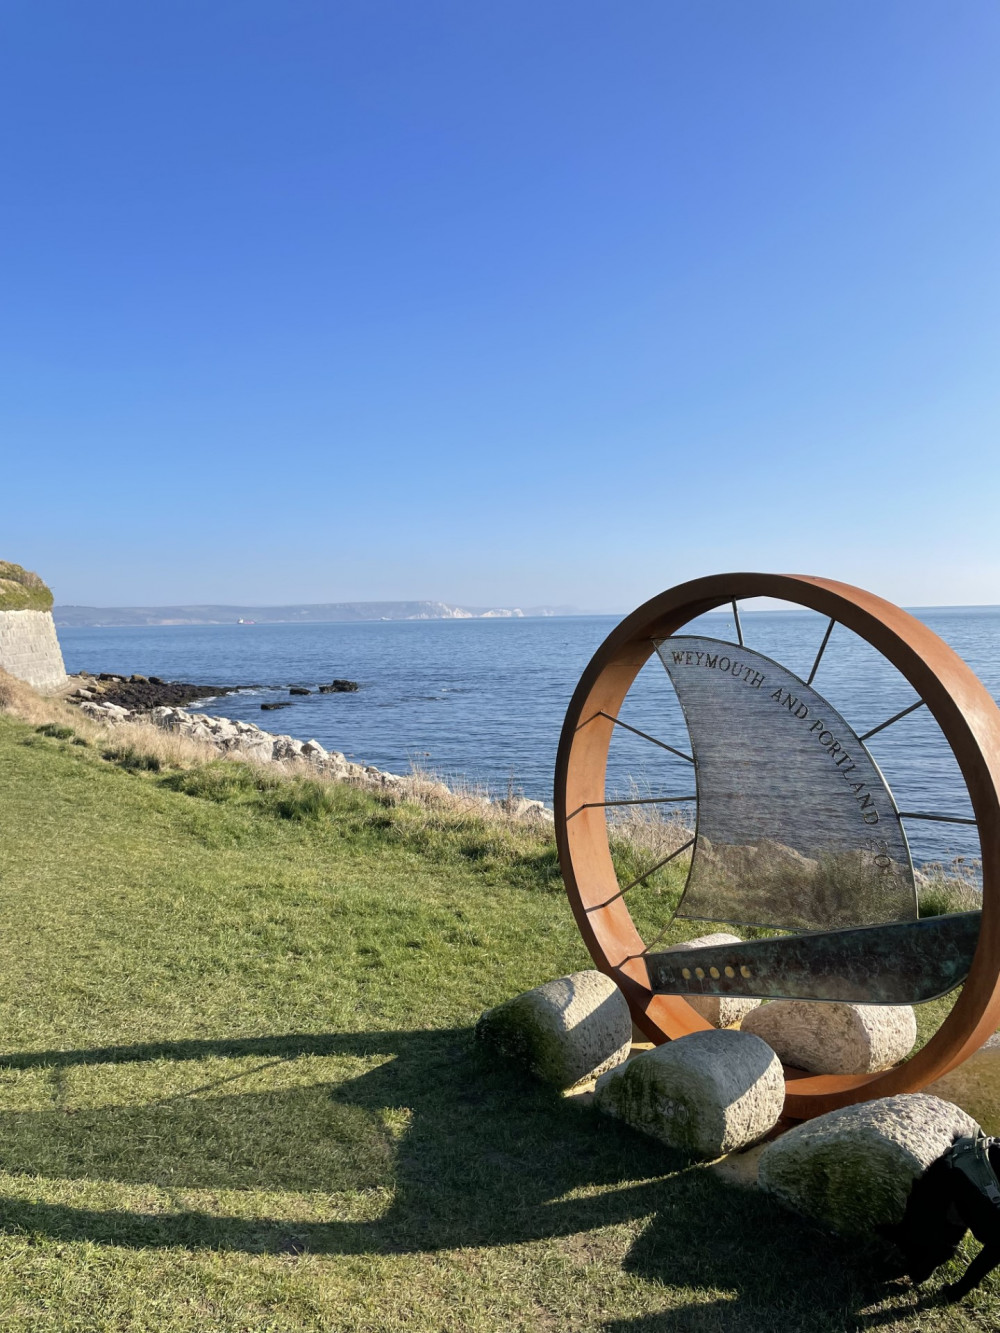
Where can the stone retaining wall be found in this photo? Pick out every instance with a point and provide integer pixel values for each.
(29, 649)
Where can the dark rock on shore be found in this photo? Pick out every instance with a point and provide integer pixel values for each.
(144, 693)
(139, 694)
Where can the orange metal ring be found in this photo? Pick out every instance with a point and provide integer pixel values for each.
(963, 708)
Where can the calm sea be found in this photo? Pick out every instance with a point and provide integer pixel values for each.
(483, 700)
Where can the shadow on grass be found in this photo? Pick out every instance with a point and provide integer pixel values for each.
(489, 1159)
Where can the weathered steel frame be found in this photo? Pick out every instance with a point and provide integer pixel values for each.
(962, 707)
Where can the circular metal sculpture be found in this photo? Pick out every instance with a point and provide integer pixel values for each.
(764, 742)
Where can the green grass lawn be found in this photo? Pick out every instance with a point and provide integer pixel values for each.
(239, 1089)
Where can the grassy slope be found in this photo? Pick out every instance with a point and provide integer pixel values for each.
(240, 1092)
(22, 590)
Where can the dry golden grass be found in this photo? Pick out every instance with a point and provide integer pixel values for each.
(22, 701)
(656, 830)
(649, 832)
(154, 747)
(169, 748)
(955, 887)
(166, 748)
(456, 795)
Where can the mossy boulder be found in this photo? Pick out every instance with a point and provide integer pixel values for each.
(707, 1094)
(852, 1169)
(565, 1032)
(21, 590)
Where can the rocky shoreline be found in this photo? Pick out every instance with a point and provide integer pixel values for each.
(141, 693)
(248, 741)
(144, 693)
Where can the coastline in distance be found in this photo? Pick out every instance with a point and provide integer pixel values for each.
(301, 614)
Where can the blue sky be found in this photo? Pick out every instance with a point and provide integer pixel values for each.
(499, 303)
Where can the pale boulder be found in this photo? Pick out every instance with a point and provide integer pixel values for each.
(708, 1093)
(852, 1169)
(565, 1032)
(255, 747)
(286, 747)
(835, 1038)
(722, 1011)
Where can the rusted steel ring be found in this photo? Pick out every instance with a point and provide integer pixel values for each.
(966, 714)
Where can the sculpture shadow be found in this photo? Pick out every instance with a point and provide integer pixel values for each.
(488, 1158)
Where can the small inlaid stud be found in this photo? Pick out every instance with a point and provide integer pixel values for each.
(699, 973)
(686, 973)
(744, 971)
(730, 971)
(714, 972)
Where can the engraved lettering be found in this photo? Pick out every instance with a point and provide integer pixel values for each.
(867, 799)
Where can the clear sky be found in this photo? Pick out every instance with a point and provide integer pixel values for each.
(510, 303)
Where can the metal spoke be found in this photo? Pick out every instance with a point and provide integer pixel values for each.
(645, 736)
(822, 649)
(882, 725)
(644, 800)
(638, 800)
(938, 819)
(652, 870)
(739, 627)
(652, 945)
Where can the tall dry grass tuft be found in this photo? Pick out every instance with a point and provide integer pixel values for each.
(140, 738)
(168, 748)
(656, 830)
(458, 796)
(956, 887)
(20, 700)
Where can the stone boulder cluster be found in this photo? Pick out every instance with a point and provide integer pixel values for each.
(721, 1091)
(245, 740)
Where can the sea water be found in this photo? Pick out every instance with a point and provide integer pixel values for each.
(482, 701)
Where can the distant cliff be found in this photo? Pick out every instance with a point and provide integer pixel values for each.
(306, 614)
(29, 648)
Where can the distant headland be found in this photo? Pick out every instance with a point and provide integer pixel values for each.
(72, 617)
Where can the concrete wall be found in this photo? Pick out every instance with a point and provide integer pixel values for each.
(30, 650)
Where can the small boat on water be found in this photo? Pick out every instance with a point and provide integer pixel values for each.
(241, 621)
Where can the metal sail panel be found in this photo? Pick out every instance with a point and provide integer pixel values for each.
(796, 826)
